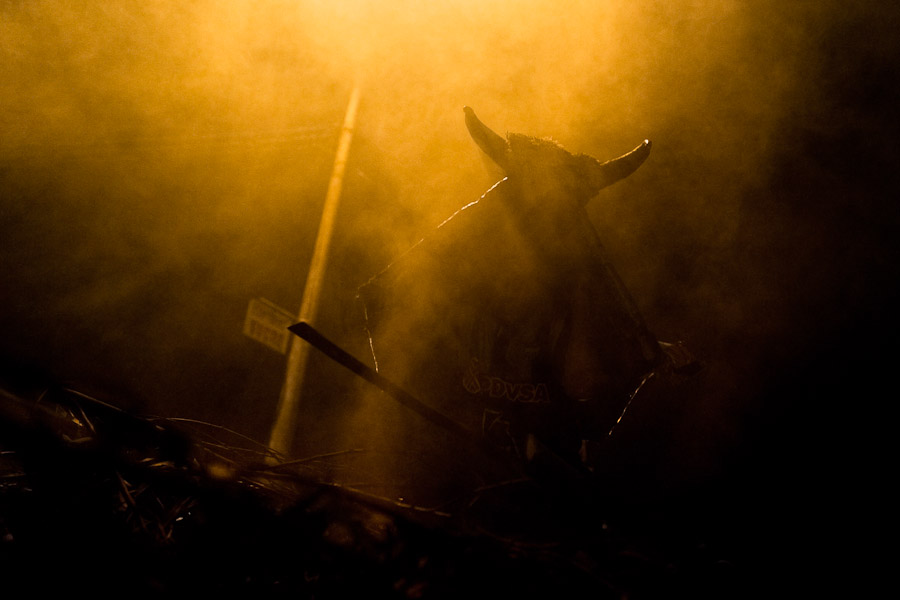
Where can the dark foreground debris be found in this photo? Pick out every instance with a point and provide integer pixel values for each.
(98, 500)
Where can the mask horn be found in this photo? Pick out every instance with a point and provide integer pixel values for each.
(603, 174)
(490, 143)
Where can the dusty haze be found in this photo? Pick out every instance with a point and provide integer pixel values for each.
(161, 163)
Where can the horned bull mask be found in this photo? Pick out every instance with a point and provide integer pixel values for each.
(544, 167)
(508, 316)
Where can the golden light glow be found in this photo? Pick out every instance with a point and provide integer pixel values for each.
(188, 144)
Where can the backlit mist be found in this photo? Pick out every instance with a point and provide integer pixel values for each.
(163, 163)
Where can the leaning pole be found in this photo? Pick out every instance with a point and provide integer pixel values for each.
(282, 437)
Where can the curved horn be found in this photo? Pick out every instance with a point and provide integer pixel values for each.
(607, 173)
(490, 143)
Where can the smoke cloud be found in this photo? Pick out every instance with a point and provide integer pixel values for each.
(162, 164)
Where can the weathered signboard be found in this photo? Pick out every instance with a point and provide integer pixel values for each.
(267, 323)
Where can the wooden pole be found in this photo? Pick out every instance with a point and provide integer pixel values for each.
(282, 436)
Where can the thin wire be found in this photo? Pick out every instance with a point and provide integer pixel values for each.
(646, 378)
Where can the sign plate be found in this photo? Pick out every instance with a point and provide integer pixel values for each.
(268, 324)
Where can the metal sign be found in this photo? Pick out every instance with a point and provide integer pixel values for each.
(267, 323)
